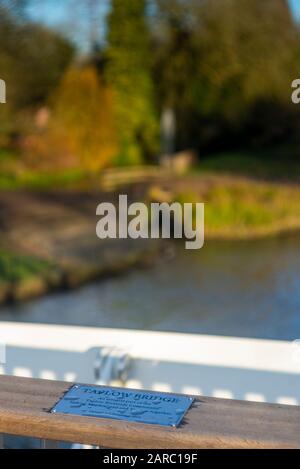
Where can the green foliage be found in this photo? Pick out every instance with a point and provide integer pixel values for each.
(176, 58)
(241, 65)
(14, 267)
(129, 75)
(226, 66)
(279, 163)
(32, 60)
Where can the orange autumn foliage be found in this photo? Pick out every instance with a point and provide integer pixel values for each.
(80, 130)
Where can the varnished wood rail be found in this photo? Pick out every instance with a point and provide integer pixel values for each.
(210, 423)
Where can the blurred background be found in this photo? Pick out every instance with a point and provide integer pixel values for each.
(164, 100)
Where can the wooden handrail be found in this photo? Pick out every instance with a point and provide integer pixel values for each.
(210, 423)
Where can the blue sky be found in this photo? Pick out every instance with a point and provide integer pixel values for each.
(295, 6)
(68, 16)
(55, 12)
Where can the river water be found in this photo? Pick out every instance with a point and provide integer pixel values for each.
(246, 289)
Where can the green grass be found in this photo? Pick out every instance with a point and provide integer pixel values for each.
(282, 163)
(260, 204)
(40, 180)
(35, 180)
(13, 175)
(245, 208)
(14, 267)
(6, 155)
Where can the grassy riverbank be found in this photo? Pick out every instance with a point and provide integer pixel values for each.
(23, 276)
(246, 209)
(48, 240)
(246, 196)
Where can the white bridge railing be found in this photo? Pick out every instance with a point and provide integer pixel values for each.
(235, 368)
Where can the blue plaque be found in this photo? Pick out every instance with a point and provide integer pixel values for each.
(124, 404)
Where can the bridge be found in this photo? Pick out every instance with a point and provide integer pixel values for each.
(25, 405)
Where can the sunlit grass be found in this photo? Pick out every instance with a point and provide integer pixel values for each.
(40, 180)
(15, 175)
(245, 208)
(14, 267)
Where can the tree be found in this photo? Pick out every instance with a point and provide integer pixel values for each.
(128, 73)
(224, 64)
(247, 71)
(32, 57)
(80, 131)
(176, 56)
